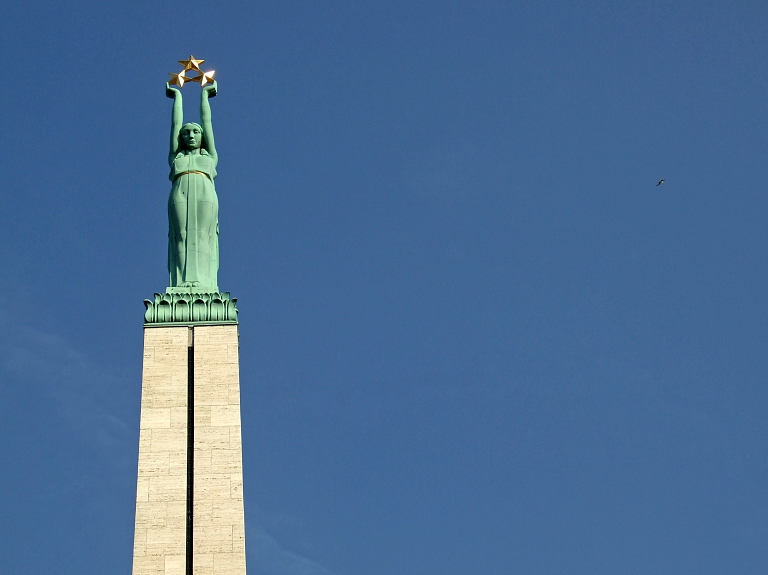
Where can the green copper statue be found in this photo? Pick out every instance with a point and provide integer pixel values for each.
(193, 295)
(193, 207)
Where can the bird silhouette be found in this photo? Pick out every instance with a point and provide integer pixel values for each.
(661, 181)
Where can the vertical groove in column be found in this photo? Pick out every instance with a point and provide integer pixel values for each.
(190, 443)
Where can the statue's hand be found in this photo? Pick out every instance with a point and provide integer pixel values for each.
(171, 92)
(211, 90)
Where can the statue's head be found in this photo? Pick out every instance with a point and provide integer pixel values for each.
(191, 136)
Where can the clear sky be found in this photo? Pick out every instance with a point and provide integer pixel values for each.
(476, 337)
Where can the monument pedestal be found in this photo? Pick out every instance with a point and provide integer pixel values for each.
(189, 498)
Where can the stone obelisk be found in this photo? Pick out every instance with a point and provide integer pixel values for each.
(189, 497)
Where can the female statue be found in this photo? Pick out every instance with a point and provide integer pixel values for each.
(193, 207)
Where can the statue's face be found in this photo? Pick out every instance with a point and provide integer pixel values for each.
(192, 137)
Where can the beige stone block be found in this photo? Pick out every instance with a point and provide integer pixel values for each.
(202, 513)
(176, 514)
(179, 417)
(177, 463)
(165, 396)
(212, 334)
(238, 537)
(213, 539)
(148, 565)
(145, 437)
(211, 438)
(210, 486)
(234, 394)
(211, 354)
(236, 486)
(149, 356)
(202, 461)
(170, 356)
(228, 373)
(151, 464)
(175, 564)
(226, 461)
(229, 564)
(225, 415)
(210, 394)
(213, 375)
(139, 541)
(171, 439)
(202, 564)
(153, 379)
(233, 353)
(159, 376)
(151, 514)
(174, 374)
(155, 417)
(176, 339)
(202, 415)
(142, 489)
(235, 438)
(168, 488)
(166, 541)
(169, 336)
(214, 363)
(227, 512)
(233, 373)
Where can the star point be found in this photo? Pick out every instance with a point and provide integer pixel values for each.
(179, 79)
(207, 77)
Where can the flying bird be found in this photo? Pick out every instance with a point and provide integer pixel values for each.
(661, 181)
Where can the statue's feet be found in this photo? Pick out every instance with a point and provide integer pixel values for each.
(190, 284)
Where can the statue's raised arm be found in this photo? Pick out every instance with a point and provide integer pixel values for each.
(205, 118)
(177, 119)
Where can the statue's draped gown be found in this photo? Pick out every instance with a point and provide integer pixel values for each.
(193, 217)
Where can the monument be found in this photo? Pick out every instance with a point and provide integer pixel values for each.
(189, 496)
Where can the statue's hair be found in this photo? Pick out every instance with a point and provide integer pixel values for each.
(182, 145)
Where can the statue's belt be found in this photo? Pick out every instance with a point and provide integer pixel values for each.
(191, 172)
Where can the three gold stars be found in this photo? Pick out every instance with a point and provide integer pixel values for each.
(191, 66)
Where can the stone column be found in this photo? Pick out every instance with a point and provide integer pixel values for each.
(219, 529)
(189, 505)
(161, 494)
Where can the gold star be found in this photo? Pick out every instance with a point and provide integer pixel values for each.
(207, 77)
(179, 79)
(191, 64)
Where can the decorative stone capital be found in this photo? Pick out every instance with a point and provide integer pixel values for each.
(166, 308)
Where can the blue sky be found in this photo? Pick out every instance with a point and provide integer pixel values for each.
(475, 337)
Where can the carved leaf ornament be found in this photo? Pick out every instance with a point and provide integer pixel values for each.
(190, 308)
